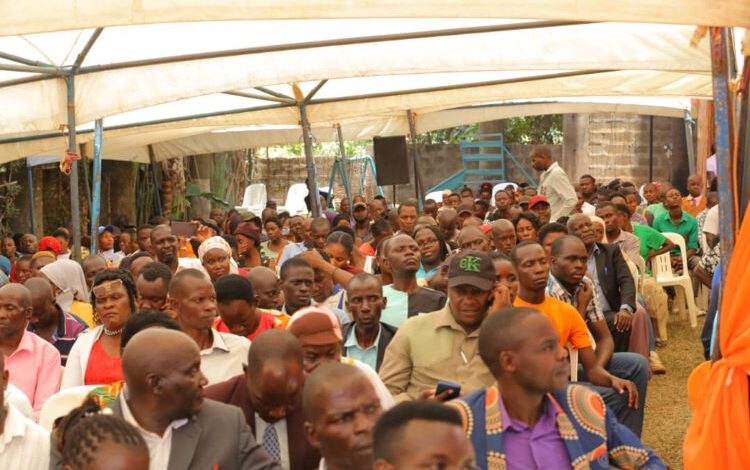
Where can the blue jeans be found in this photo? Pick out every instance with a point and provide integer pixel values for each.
(628, 366)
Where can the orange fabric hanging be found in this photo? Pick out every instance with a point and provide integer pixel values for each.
(719, 431)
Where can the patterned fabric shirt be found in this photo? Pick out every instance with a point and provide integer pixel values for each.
(556, 290)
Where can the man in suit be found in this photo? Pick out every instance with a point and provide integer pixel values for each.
(366, 338)
(615, 287)
(269, 393)
(164, 401)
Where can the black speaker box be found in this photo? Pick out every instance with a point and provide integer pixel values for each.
(390, 160)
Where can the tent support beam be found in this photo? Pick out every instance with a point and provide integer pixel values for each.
(312, 177)
(268, 91)
(85, 51)
(50, 71)
(344, 166)
(155, 176)
(23, 60)
(75, 209)
(335, 42)
(97, 183)
(256, 96)
(411, 117)
(30, 182)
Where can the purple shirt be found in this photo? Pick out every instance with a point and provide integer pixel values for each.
(69, 327)
(538, 447)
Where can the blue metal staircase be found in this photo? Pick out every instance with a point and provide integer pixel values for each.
(489, 148)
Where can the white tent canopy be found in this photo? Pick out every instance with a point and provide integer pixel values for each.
(139, 76)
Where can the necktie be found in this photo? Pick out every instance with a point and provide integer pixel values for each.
(271, 443)
(695, 202)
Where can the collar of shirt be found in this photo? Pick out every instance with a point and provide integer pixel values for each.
(351, 339)
(550, 168)
(547, 418)
(668, 217)
(14, 426)
(26, 343)
(217, 342)
(444, 319)
(557, 290)
(697, 198)
(127, 415)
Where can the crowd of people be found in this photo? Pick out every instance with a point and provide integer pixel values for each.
(513, 327)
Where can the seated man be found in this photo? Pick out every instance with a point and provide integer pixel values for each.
(531, 417)
(164, 401)
(503, 236)
(615, 286)
(49, 321)
(33, 363)
(366, 338)
(621, 395)
(442, 345)
(269, 393)
(675, 220)
(472, 238)
(341, 408)
(237, 309)
(266, 288)
(25, 444)
(405, 297)
(421, 434)
(192, 300)
(320, 335)
(629, 244)
(152, 285)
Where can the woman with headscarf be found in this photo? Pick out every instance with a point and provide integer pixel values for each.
(70, 288)
(215, 255)
(95, 356)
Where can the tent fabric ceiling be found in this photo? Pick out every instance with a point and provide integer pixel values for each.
(453, 59)
(55, 15)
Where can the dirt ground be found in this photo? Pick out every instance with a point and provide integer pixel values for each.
(667, 411)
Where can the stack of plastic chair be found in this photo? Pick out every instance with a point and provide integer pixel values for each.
(295, 200)
(665, 277)
(255, 199)
(62, 403)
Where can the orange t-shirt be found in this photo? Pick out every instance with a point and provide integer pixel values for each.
(565, 317)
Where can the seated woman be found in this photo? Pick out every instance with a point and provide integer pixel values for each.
(248, 238)
(95, 356)
(340, 249)
(527, 226)
(216, 257)
(70, 288)
(272, 248)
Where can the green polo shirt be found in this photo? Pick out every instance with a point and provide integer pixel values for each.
(656, 209)
(650, 238)
(687, 227)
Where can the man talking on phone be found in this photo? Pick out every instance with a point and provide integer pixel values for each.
(442, 346)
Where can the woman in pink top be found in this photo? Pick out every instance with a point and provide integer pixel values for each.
(95, 356)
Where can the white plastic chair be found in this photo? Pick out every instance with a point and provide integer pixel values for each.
(573, 357)
(436, 196)
(61, 403)
(254, 199)
(665, 277)
(295, 200)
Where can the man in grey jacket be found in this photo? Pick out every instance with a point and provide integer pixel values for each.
(553, 183)
(163, 399)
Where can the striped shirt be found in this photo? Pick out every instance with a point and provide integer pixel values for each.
(69, 327)
(23, 443)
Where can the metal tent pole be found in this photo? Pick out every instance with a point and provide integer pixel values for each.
(75, 209)
(415, 157)
(155, 176)
(344, 166)
(312, 177)
(723, 124)
(30, 183)
(97, 183)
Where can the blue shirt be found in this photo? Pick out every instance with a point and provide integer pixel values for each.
(426, 275)
(397, 308)
(368, 356)
(290, 251)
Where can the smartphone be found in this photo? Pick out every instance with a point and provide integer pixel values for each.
(183, 229)
(455, 389)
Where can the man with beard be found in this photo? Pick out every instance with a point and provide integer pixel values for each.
(587, 183)
(366, 338)
(269, 394)
(362, 221)
(341, 409)
(405, 297)
(164, 246)
(162, 370)
(298, 284)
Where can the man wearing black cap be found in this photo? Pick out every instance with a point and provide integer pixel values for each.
(442, 345)
(361, 216)
(464, 210)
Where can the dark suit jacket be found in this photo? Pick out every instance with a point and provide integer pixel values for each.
(614, 277)
(302, 455)
(216, 436)
(386, 335)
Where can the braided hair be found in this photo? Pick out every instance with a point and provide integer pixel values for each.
(80, 434)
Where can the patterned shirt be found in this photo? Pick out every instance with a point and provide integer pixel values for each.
(556, 290)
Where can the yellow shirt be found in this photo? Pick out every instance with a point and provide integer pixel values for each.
(84, 311)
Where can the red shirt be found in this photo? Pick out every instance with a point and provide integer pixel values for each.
(102, 369)
(267, 322)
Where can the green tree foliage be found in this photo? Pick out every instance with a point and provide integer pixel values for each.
(546, 129)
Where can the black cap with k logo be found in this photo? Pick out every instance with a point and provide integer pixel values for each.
(473, 268)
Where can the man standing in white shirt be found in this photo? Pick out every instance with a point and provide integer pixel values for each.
(23, 443)
(192, 300)
(553, 183)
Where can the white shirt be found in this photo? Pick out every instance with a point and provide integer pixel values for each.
(225, 358)
(555, 184)
(159, 447)
(711, 164)
(23, 443)
(260, 428)
(711, 224)
(15, 397)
